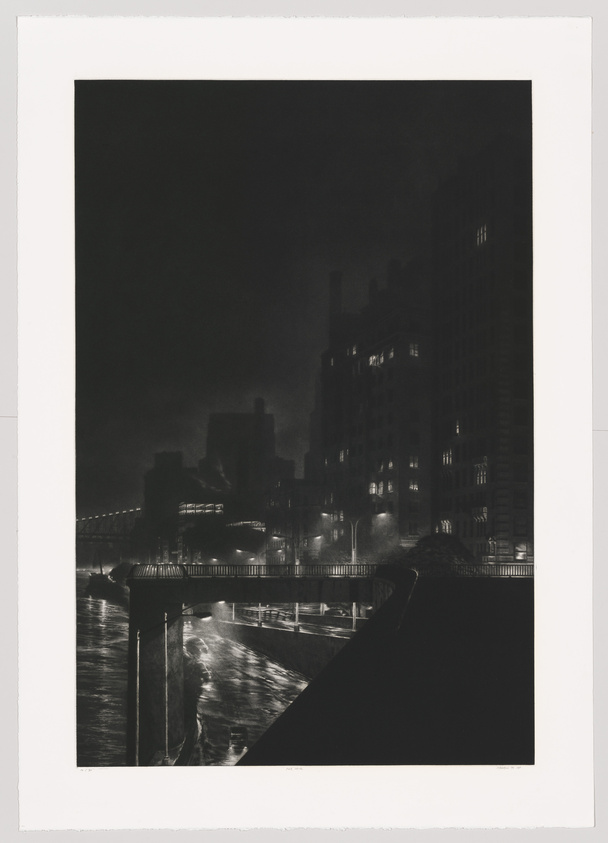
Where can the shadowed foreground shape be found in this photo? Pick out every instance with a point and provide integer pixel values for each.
(446, 678)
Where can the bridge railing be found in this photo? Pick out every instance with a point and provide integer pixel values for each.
(501, 569)
(345, 570)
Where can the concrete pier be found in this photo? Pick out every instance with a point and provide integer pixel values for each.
(155, 705)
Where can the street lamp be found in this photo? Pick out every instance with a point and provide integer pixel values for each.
(202, 616)
(353, 537)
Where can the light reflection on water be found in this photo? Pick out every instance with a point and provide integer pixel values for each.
(101, 682)
(244, 696)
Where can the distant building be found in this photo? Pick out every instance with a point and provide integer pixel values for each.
(175, 498)
(241, 458)
(297, 529)
(482, 309)
(214, 512)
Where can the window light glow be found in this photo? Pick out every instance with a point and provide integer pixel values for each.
(481, 472)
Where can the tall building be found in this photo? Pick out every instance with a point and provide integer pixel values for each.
(423, 421)
(371, 426)
(482, 314)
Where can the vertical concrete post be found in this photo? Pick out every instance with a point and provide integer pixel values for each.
(155, 692)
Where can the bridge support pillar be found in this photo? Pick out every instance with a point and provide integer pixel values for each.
(155, 691)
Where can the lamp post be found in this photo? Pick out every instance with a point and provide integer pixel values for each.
(354, 523)
(165, 624)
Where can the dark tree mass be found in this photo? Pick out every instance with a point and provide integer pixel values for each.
(208, 218)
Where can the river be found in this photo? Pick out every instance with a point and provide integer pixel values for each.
(246, 692)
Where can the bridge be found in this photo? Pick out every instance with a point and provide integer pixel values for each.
(161, 594)
(111, 527)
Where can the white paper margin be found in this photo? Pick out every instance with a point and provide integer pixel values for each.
(555, 54)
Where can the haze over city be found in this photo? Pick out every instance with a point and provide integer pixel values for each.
(209, 216)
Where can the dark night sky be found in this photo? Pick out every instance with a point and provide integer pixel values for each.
(208, 217)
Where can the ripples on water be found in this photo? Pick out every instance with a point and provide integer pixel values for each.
(246, 693)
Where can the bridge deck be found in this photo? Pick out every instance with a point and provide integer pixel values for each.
(347, 571)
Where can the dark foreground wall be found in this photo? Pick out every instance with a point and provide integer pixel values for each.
(446, 678)
(308, 654)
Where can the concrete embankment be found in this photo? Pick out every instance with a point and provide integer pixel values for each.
(443, 673)
(307, 653)
(301, 651)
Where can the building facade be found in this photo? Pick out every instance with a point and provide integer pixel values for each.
(371, 426)
(483, 386)
(423, 420)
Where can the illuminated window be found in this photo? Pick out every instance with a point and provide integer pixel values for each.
(413, 461)
(481, 234)
(447, 457)
(391, 353)
(381, 488)
(457, 427)
(373, 360)
(389, 486)
(381, 465)
(201, 508)
(335, 534)
(325, 460)
(414, 349)
(342, 455)
(331, 361)
(354, 350)
(390, 465)
(481, 473)
(446, 526)
(341, 515)
(381, 358)
(413, 485)
(372, 488)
